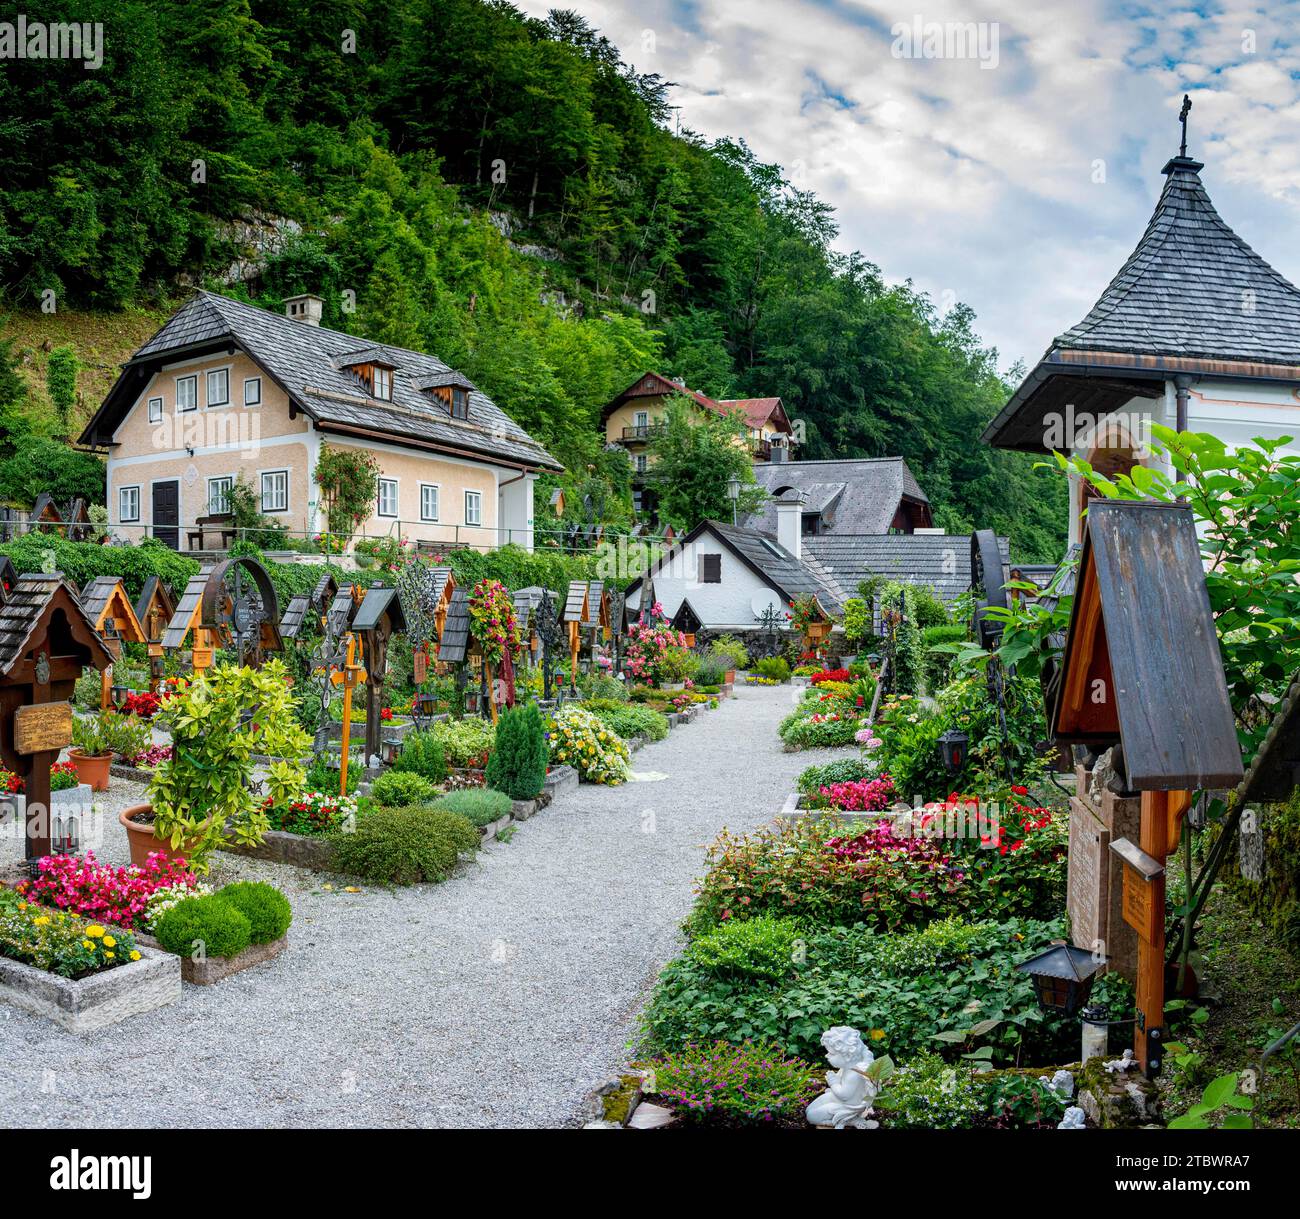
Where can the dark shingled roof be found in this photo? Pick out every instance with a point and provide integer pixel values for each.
(380, 600)
(306, 361)
(454, 645)
(575, 602)
(790, 576)
(857, 495)
(22, 611)
(295, 613)
(152, 585)
(8, 576)
(178, 627)
(939, 561)
(1193, 288)
(95, 595)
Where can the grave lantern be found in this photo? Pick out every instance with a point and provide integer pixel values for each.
(1141, 671)
(1063, 977)
(952, 749)
(120, 695)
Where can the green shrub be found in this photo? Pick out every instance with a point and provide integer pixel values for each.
(602, 686)
(267, 909)
(404, 846)
(467, 742)
(323, 775)
(401, 789)
(422, 754)
(709, 673)
(930, 1094)
(518, 762)
(761, 947)
(750, 1083)
(729, 652)
(937, 666)
(629, 720)
(799, 728)
(775, 667)
(479, 805)
(207, 925)
(844, 770)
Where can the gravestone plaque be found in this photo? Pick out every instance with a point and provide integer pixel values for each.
(42, 727)
(1250, 846)
(1088, 876)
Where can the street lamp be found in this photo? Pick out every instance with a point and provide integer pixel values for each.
(733, 494)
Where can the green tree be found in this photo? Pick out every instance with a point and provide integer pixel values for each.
(693, 458)
(61, 381)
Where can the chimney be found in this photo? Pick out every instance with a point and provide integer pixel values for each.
(789, 523)
(304, 308)
(779, 452)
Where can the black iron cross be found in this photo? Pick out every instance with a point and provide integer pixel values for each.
(1182, 118)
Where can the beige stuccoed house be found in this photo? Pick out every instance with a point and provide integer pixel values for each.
(225, 389)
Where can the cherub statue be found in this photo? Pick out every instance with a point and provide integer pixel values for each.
(1073, 1119)
(1062, 1083)
(851, 1090)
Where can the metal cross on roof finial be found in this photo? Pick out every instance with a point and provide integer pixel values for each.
(1182, 118)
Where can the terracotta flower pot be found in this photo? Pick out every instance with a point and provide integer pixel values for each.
(141, 837)
(92, 768)
(729, 678)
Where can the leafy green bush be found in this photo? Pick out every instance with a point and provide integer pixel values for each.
(518, 762)
(750, 1083)
(762, 947)
(775, 667)
(814, 725)
(401, 789)
(602, 686)
(857, 623)
(729, 652)
(629, 720)
(404, 846)
(479, 805)
(422, 754)
(323, 775)
(208, 925)
(81, 562)
(267, 909)
(843, 770)
(467, 742)
(930, 1094)
(937, 666)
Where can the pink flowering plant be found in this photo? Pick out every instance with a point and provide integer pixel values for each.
(83, 886)
(492, 621)
(755, 1082)
(653, 649)
(856, 796)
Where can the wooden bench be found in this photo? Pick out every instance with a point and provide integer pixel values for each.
(220, 522)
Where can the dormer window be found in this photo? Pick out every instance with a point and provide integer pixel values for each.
(459, 402)
(383, 383)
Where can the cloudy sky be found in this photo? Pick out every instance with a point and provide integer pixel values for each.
(1018, 187)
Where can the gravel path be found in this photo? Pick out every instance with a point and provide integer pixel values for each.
(500, 998)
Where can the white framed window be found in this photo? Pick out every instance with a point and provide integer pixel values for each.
(383, 383)
(642, 463)
(275, 491)
(252, 391)
(388, 497)
(155, 410)
(428, 501)
(219, 494)
(473, 507)
(219, 387)
(187, 393)
(641, 420)
(128, 504)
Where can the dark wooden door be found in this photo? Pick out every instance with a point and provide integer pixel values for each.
(167, 514)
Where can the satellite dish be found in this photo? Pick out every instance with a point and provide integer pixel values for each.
(763, 600)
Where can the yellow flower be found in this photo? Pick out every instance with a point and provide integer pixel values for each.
(135, 954)
(87, 944)
(40, 922)
(109, 955)
(94, 931)
(877, 1034)
(109, 942)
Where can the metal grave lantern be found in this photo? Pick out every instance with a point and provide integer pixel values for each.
(46, 640)
(8, 577)
(952, 749)
(154, 610)
(1063, 977)
(1142, 671)
(109, 608)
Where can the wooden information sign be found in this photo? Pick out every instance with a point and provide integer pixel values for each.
(42, 727)
(1139, 904)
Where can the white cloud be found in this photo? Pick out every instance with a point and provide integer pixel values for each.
(980, 182)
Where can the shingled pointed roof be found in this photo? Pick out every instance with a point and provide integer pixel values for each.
(1192, 287)
(309, 364)
(1192, 298)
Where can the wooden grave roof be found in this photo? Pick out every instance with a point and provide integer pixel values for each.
(188, 609)
(154, 591)
(1142, 636)
(22, 613)
(45, 510)
(8, 576)
(326, 590)
(104, 599)
(380, 601)
(455, 645)
(576, 607)
(295, 614)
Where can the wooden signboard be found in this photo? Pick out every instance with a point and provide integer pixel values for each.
(420, 665)
(1140, 911)
(42, 727)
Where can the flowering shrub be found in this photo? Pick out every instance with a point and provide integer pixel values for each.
(63, 776)
(577, 738)
(315, 813)
(143, 704)
(857, 795)
(10, 783)
(646, 653)
(465, 743)
(162, 900)
(492, 621)
(842, 770)
(753, 1082)
(60, 942)
(330, 543)
(151, 758)
(807, 728)
(84, 886)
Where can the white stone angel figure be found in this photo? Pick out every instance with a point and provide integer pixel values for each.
(850, 1090)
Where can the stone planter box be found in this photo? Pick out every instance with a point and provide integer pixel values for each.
(561, 779)
(211, 970)
(297, 850)
(102, 999)
(796, 805)
(394, 730)
(522, 810)
(491, 830)
(70, 800)
(135, 774)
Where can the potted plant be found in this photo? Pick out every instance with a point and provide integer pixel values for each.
(92, 752)
(219, 723)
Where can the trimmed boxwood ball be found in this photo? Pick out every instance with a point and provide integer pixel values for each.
(404, 846)
(204, 924)
(518, 763)
(400, 789)
(481, 805)
(266, 908)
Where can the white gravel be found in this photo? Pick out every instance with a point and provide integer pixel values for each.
(498, 999)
